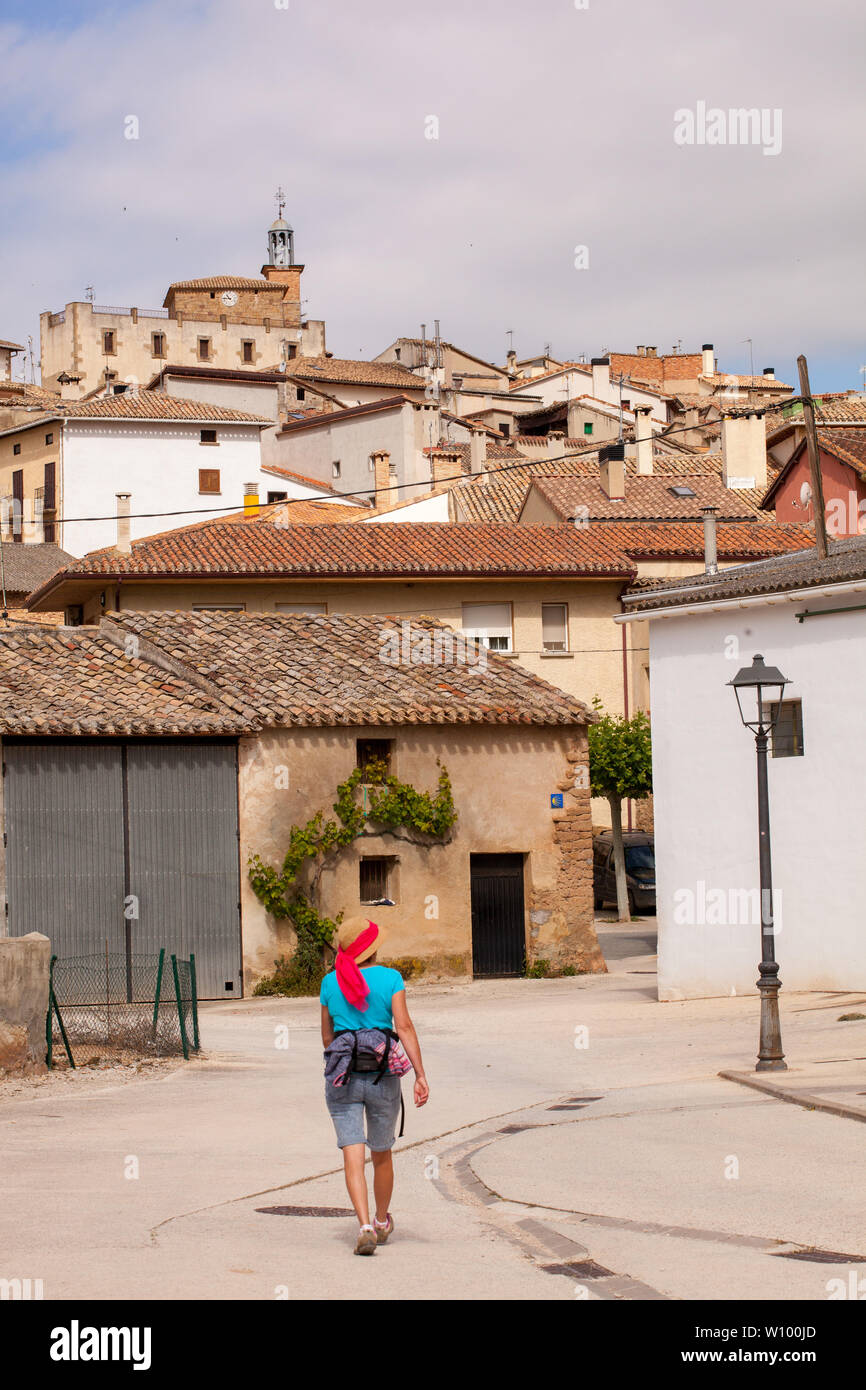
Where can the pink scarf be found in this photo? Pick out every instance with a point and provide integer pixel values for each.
(353, 986)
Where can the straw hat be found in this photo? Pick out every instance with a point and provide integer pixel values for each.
(349, 931)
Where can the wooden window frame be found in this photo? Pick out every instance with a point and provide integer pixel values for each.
(106, 334)
(208, 443)
(203, 475)
(206, 356)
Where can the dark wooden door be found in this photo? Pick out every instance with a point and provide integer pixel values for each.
(498, 931)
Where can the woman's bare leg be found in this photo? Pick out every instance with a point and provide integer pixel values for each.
(383, 1181)
(356, 1181)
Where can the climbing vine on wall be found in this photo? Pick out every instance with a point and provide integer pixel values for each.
(290, 892)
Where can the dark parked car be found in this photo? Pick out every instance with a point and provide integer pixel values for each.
(640, 870)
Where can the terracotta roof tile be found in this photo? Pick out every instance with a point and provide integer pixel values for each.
(351, 372)
(649, 497)
(237, 673)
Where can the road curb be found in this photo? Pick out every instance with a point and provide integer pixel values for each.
(804, 1099)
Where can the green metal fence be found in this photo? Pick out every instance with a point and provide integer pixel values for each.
(116, 1003)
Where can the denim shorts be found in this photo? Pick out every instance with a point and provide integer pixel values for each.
(361, 1099)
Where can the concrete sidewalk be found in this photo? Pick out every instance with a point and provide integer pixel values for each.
(578, 1142)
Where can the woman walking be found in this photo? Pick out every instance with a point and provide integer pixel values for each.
(364, 1022)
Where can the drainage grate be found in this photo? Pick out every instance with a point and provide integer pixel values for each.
(821, 1257)
(306, 1211)
(580, 1269)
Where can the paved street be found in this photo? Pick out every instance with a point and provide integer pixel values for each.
(620, 1167)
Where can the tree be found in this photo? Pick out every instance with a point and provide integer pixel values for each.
(620, 767)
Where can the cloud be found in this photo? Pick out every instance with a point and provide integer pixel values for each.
(555, 129)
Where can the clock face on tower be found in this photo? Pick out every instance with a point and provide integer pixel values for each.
(229, 298)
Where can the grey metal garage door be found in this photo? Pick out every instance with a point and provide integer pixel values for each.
(130, 842)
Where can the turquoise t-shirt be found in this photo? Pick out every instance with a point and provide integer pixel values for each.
(382, 983)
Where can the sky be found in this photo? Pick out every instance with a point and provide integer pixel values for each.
(497, 165)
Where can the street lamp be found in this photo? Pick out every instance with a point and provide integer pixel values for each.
(759, 691)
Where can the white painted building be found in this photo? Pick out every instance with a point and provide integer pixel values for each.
(808, 618)
(173, 462)
(571, 381)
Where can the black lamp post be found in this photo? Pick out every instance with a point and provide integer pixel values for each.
(759, 691)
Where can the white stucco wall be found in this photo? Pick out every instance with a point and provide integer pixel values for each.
(568, 384)
(158, 464)
(704, 772)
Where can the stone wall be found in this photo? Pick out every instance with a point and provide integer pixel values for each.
(24, 965)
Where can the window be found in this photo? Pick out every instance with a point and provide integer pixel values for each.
(49, 439)
(397, 353)
(301, 394)
(16, 448)
(208, 437)
(248, 350)
(292, 350)
(370, 751)
(48, 487)
(204, 349)
(505, 428)
(74, 616)
(376, 880)
(489, 623)
(208, 480)
(157, 344)
(311, 608)
(119, 390)
(371, 464)
(554, 627)
(787, 738)
(335, 468)
(681, 490)
(277, 496)
(108, 343)
(587, 429)
(219, 607)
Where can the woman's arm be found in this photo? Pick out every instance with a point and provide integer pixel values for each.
(327, 1027)
(405, 1030)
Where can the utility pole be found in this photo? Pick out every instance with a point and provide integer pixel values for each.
(814, 460)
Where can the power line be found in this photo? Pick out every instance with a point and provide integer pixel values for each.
(453, 477)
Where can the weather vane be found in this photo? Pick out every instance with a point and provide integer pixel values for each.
(281, 201)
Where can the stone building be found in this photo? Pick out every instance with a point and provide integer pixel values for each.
(159, 752)
(228, 321)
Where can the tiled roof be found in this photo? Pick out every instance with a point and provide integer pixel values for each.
(226, 282)
(25, 566)
(26, 393)
(848, 445)
(74, 681)
(330, 669)
(154, 405)
(5, 343)
(355, 373)
(234, 673)
(258, 549)
(648, 497)
(684, 540)
(280, 472)
(751, 383)
(845, 562)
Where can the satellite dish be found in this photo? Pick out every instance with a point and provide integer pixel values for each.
(805, 494)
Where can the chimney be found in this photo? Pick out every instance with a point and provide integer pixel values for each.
(692, 433)
(478, 451)
(511, 362)
(124, 541)
(651, 351)
(251, 501)
(601, 377)
(711, 556)
(708, 364)
(555, 444)
(770, 372)
(611, 461)
(744, 450)
(68, 386)
(641, 350)
(574, 417)
(445, 464)
(643, 439)
(385, 497)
